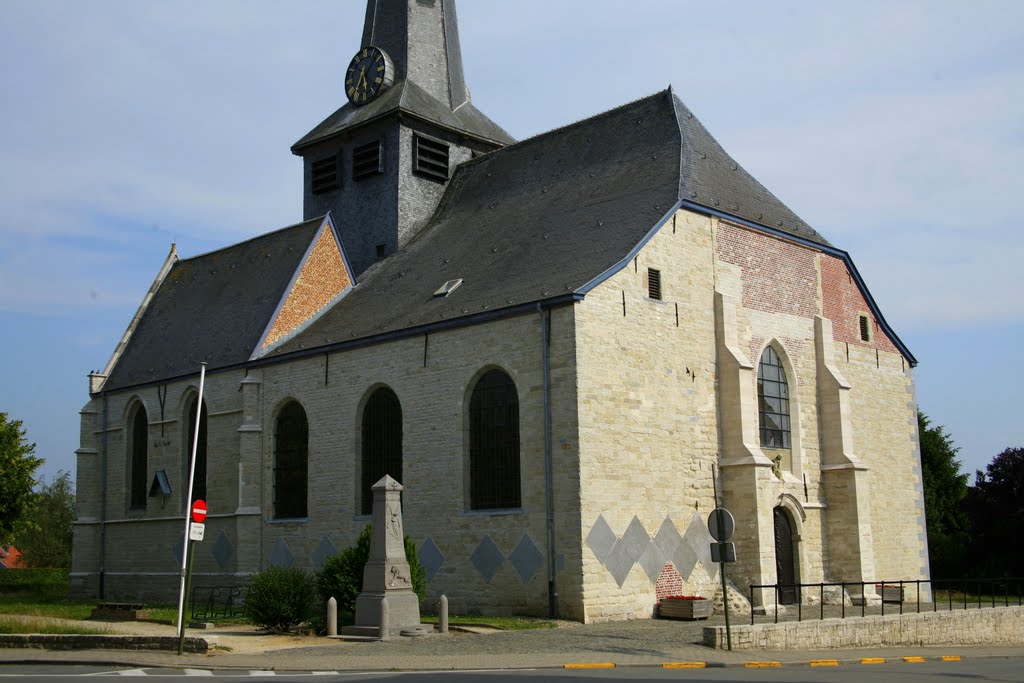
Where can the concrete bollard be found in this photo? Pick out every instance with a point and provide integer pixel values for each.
(442, 614)
(385, 620)
(332, 617)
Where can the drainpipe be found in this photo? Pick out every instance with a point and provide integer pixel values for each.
(545, 332)
(103, 500)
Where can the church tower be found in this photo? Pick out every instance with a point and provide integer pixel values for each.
(381, 162)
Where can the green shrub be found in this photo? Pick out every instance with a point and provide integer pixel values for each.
(341, 577)
(280, 598)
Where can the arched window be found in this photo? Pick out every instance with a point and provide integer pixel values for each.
(494, 443)
(772, 401)
(139, 450)
(199, 482)
(291, 461)
(382, 443)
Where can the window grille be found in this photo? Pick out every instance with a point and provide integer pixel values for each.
(773, 401)
(291, 461)
(199, 477)
(140, 459)
(326, 175)
(494, 443)
(865, 328)
(430, 158)
(382, 443)
(367, 161)
(654, 284)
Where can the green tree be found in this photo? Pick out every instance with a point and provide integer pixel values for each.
(17, 466)
(45, 537)
(996, 508)
(944, 489)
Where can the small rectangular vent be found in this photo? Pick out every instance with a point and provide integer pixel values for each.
(430, 158)
(654, 284)
(326, 175)
(366, 160)
(865, 328)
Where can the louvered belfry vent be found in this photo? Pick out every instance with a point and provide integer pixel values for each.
(366, 161)
(865, 330)
(654, 284)
(326, 175)
(430, 158)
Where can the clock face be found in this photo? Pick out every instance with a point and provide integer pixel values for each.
(369, 74)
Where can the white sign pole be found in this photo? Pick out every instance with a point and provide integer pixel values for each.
(188, 499)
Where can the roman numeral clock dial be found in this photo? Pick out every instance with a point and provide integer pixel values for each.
(369, 74)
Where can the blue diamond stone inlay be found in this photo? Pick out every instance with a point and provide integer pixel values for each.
(281, 554)
(223, 550)
(431, 558)
(487, 559)
(526, 558)
(324, 550)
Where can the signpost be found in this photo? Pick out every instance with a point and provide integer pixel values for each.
(198, 514)
(721, 524)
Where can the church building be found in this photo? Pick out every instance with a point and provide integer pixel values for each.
(562, 347)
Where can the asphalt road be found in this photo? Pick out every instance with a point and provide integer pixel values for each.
(996, 669)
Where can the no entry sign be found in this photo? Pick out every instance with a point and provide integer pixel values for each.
(199, 511)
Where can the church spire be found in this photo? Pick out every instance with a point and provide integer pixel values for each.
(422, 39)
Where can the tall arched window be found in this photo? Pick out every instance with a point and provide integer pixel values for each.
(291, 462)
(382, 443)
(139, 460)
(199, 482)
(494, 443)
(772, 401)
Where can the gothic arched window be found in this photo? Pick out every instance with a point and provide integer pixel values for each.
(772, 401)
(494, 443)
(139, 449)
(381, 442)
(199, 478)
(291, 462)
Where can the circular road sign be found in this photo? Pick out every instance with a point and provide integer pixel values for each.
(199, 511)
(724, 532)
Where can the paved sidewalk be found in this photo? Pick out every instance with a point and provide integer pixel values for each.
(632, 643)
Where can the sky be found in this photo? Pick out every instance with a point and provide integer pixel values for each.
(896, 129)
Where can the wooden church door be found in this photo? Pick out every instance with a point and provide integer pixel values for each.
(785, 569)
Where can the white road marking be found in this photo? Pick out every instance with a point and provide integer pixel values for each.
(198, 672)
(132, 672)
(262, 673)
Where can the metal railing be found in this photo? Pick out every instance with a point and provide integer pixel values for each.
(959, 594)
(218, 602)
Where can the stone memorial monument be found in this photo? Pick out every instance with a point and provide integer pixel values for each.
(388, 606)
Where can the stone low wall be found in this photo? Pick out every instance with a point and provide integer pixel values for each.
(102, 642)
(993, 626)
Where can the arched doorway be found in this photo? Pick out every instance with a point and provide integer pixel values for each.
(785, 558)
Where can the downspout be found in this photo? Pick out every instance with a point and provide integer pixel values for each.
(545, 336)
(103, 500)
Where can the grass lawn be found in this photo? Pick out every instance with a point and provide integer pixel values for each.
(501, 623)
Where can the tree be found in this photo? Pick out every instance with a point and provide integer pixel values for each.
(45, 539)
(17, 465)
(944, 489)
(996, 508)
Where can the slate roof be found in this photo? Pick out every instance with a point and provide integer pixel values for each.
(408, 98)
(212, 308)
(544, 217)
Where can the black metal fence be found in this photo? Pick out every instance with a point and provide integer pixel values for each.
(218, 602)
(957, 594)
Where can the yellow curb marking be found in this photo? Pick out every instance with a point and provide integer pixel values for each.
(913, 660)
(873, 660)
(824, 662)
(683, 665)
(761, 665)
(597, 665)
(951, 658)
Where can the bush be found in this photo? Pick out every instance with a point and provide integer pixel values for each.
(280, 598)
(341, 577)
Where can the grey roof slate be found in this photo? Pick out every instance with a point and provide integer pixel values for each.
(408, 98)
(546, 216)
(213, 307)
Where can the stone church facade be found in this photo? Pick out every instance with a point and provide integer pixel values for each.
(560, 347)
